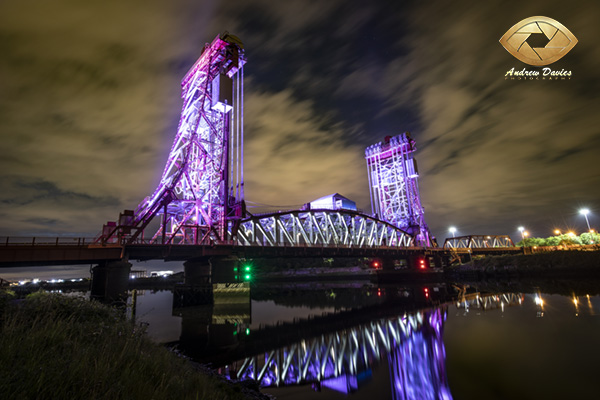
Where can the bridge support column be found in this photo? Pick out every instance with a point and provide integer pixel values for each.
(110, 280)
(225, 269)
(203, 278)
(211, 270)
(197, 271)
(418, 262)
(388, 264)
(438, 261)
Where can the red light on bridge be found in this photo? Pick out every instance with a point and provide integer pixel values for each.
(422, 264)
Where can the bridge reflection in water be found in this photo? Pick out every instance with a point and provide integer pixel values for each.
(342, 360)
(340, 351)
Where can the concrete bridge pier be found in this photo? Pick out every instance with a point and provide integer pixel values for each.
(197, 271)
(204, 276)
(416, 262)
(225, 269)
(439, 261)
(220, 269)
(110, 280)
(388, 264)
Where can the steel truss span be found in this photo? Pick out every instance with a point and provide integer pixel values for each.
(412, 342)
(320, 228)
(479, 242)
(201, 188)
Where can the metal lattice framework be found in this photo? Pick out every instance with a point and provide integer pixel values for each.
(414, 341)
(393, 175)
(201, 189)
(479, 242)
(491, 302)
(413, 344)
(322, 228)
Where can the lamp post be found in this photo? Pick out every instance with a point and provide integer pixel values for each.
(452, 231)
(585, 212)
(521, 229)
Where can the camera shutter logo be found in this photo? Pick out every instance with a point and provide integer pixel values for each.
(538, 41)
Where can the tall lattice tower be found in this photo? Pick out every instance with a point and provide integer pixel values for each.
(200, 197)
(394, 189)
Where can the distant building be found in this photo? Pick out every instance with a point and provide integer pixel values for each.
(331, 202)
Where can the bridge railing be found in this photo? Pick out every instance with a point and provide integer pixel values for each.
(44, 241)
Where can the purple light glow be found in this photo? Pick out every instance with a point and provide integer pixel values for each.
(393, 175)
(342, 360)
(200, 194)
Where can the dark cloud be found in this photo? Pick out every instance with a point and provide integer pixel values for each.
(90, 101)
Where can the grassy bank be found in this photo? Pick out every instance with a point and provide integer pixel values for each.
(59, 347)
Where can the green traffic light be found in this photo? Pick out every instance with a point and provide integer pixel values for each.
(247, 277)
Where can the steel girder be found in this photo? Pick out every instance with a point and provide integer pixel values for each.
(479, 242)
(320, 228)
(199, 188)
(352, 351)
(393, 183)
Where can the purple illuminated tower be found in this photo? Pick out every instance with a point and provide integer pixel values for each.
(200, 197)
(393, 175)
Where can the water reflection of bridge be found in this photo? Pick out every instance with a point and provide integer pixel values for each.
(409, 338)
(413, 344)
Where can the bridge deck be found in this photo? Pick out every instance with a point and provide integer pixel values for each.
(55, 252)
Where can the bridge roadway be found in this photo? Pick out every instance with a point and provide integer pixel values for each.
(81, 251)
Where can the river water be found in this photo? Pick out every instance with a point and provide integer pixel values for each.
(363, 341)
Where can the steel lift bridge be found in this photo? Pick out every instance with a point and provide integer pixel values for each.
(200, 197)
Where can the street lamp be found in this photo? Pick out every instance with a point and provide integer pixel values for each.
(557, 232)
(585, 212)
(452, 231)
(521, 229)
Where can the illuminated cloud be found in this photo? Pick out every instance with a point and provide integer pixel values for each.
(90, 105)
(292, 159)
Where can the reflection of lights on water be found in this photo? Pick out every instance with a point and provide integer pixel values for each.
(540, 305)
(539, 301)
(590, 304)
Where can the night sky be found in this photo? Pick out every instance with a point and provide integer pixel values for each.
(90, 103)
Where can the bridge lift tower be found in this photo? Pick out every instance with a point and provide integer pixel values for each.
(200, 197)
(394, 189)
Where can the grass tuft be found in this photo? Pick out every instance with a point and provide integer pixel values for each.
(59, 347)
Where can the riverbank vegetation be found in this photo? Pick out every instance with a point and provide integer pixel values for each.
(568, 239)
(63, 347)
